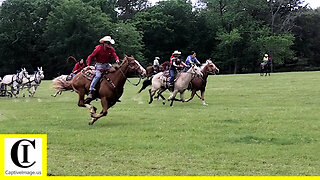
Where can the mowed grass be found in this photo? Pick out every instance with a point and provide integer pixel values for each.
(252, 126)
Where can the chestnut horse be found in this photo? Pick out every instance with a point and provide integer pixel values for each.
(150, 72)
(110, 89)
(199, 83)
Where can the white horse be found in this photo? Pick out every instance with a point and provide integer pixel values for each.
(32, 82)
(14, 81)
(159, 83)
(55, 80)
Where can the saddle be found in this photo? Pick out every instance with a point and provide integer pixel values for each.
(89, 72)
(166, 77)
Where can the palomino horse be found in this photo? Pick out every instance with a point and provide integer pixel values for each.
(14, 81)
(55, 82)
(199, 83)
(110, 89)
(150, 72)
(32, 82)
(265, 67)
(159, 83)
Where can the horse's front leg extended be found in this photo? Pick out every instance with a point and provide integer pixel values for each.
(104, 111)
(91, 108)
(192, 95)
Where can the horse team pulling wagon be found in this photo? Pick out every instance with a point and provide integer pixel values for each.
(19, 81)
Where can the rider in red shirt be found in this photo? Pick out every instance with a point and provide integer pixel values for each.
(78, 67)
(102, 53)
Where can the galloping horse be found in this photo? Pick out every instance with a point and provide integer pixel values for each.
(150, 72)
(110, 90)
(199, 83)
(14, 81)
(180, 85)
(55, 81)
(265, 68)
(32, 82)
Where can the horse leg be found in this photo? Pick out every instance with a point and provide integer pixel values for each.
(202, 98)
(91, 108)
(30, 92)
(145, 84)
(12, 91)
(182, 97)
(151, 93)
(173, 97)
(55, 94)
(192, 95)
(81, 98)
(160, 94)
(104, 112)
(34, 90)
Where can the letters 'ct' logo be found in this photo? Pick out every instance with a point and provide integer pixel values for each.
(24, 163)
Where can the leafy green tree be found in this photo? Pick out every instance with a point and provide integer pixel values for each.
(21, 26)
(166, 27)
(73, 28)
(128, 8)
(106, 6)
(128, 41)
(228, 44)
(307, 38)
(278, 46)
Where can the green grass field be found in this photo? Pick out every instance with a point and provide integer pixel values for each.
(252, 126)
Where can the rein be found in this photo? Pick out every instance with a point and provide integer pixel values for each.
(128, 79)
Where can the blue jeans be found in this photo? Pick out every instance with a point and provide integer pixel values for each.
(172, 72)
(99, 66)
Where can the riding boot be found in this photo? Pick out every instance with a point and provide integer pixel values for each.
(91, 94)
(171, 87)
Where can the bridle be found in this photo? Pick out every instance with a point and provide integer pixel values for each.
(18, 79)
(36, 80)
(132, 67)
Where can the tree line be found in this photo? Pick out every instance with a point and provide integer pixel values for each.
(235, 34)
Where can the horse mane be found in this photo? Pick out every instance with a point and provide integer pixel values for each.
(165, 63)
(115, 65)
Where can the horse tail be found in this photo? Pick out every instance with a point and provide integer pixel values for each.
(61, 84)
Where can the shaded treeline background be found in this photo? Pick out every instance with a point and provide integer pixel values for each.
(235, 34)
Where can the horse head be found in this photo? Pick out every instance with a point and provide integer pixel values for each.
(211, 68)
(195, 70)
(164, 66)
(134, 66)
(23, 74)
(40, 73)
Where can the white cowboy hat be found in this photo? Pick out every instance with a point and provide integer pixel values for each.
(107, 38)
(157, 58)
(176, 52)
(266, 55)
